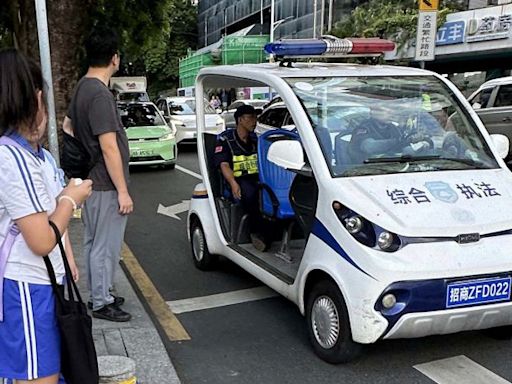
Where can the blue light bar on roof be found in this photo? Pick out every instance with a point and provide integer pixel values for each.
(329, 46)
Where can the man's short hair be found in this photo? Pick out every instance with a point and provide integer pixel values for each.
(244, 110)
(101, 44)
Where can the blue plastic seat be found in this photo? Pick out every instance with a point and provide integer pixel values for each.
(275, 180)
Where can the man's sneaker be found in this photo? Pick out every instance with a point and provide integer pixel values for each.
(118, 301)
(258, 242)
(112, 313)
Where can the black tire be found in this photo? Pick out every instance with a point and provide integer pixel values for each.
(325, 308)
(169, 166)
(499, 333)
(203, 259)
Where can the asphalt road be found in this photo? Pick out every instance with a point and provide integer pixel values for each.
(265, 341)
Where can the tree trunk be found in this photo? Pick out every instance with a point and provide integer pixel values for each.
(67, 22)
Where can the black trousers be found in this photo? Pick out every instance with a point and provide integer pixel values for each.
(250, 203)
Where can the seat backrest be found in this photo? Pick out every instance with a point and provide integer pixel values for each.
(276, 181)
(214, 175)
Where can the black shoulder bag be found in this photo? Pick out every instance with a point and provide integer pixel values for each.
(75, 161)
(79, 364)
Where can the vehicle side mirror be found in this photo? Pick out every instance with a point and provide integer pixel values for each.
(476, 105)
(289, 155)
(502, 144)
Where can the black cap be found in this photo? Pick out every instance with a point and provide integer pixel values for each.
(244, 110)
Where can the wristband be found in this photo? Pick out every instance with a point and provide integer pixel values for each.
(68, 198)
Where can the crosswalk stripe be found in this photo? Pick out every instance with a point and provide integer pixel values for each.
(189, 172)
(457, 370)
(221, 299)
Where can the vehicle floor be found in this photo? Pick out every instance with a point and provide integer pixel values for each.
(272, 257)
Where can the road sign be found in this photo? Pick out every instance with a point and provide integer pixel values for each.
(426, 36)
(429, 5)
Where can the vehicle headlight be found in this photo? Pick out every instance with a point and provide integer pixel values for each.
(365, 231)
(386, 240)
(167, 136)
(354, 224)
(220, 123)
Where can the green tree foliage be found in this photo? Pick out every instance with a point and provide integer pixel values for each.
(155, 34)
(392, 19)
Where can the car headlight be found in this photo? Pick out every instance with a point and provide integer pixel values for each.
(167, 136)
(388, 241)
(365, 231)
(354, 224)
(220, 123)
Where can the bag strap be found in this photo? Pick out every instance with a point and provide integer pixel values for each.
(71, 285)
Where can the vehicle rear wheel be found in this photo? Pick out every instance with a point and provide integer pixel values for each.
(169, 166)
(203, 259)
(329, 325)
(499, 333)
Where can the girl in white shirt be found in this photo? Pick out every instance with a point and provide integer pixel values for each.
(29, 198)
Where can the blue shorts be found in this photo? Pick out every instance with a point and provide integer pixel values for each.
(29, 336)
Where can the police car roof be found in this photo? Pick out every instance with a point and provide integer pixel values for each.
(498, 81)
(272, 70)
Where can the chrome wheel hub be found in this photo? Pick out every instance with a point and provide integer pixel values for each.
(325, 322)
(198, 244)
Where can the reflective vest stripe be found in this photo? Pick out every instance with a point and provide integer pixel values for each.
(243, 164)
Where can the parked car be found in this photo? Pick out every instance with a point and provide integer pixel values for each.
(151, 140)
(493, 104)
(181, 111)
(228, 115)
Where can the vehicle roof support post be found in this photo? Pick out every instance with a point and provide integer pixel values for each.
(46, 68)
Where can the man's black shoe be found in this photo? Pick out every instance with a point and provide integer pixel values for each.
(258, 242)
(112, 313)
(118, 301)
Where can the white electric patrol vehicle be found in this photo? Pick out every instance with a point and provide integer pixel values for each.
(394, 203)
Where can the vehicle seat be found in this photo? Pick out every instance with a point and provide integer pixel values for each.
(275, 183)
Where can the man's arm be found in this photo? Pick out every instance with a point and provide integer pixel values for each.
(114, 164)
(227, 172)
(67, 126)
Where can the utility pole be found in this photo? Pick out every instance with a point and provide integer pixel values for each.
(46, 69)
(272, 18)
(315, 7)
(329, 22)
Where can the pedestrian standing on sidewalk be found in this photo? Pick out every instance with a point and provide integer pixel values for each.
(93, 118)
(29, 336)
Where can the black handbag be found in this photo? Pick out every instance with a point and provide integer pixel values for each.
(75, 160)
(79, 363)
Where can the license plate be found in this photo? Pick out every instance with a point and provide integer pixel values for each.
(142, 153)
(482, 291)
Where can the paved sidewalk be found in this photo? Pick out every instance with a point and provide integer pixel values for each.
(138, 338)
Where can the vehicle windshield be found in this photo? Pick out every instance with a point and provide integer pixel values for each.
(187, 107)
(133, 96)
(380, 125)
(140, 115)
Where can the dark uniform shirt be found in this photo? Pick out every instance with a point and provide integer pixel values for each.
(241, 156)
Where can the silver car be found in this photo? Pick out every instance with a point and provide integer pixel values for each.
(181, 111)
(493, 104)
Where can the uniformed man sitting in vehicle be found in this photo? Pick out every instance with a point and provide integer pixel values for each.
(236, 156)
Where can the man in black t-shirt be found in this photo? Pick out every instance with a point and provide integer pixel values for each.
(93, 119)
(236, 156)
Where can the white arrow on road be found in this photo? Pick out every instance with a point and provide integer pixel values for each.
(174, 210)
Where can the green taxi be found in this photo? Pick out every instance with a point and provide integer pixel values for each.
(151, 140)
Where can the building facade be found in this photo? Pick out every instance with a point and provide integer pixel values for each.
(292, 19)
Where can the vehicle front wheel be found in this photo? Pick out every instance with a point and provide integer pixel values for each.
(203, 259)
(329, 325)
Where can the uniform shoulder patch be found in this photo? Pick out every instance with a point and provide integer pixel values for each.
(218, 149)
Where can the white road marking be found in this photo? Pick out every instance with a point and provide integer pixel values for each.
(189, 172)
(174, 210)
(457, 370)
(221, 299)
